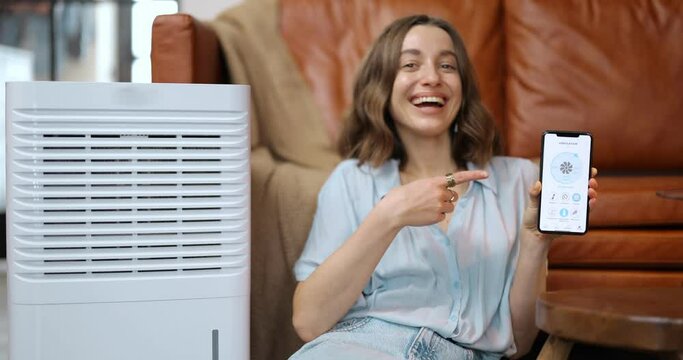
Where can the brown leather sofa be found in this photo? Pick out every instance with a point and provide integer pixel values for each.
(614, 68)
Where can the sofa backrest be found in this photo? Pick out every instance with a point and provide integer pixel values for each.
(328, 39)
(614, 68)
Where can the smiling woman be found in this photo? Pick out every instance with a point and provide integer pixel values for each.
(427, 93)
(401, 56)
(433, 225)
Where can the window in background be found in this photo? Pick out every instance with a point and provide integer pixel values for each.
(26, 25)
(143, 14)
(69, 40)
(84, 40)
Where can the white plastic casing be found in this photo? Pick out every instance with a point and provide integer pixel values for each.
(128, 221)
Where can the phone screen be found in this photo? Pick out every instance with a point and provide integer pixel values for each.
(565, 172)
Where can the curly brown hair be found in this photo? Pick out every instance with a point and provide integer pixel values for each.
(369, 132)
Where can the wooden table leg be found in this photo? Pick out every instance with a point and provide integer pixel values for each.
(555, 349)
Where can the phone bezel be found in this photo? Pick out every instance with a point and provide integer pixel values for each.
(562, 133)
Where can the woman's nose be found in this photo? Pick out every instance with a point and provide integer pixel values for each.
(430, 75)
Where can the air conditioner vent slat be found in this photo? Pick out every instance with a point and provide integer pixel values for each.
(128, 274)
(38, 153)
(134, 216)
(129, 240)
(128, 177)
(135, 130)
(185, 227)
(83, 204)
(131, 264)
(137, 252)
(158, 190)
(152, 167)
(120, 194)
(37, 140)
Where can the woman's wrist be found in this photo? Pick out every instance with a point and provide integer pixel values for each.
(387, 214)
(535, 243)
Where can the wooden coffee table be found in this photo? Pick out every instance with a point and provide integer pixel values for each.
(630, 318)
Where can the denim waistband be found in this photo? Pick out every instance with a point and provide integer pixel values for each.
(371, 338)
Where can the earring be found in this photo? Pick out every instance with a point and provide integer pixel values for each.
(455, 129)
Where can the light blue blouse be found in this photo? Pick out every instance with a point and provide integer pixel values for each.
(455, 283)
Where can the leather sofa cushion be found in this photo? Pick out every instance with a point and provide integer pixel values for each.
(626, 200)
(638, 248)
(578, 278)
(329, 38)
(609, 67)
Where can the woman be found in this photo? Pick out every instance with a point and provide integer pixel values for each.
(403, 261)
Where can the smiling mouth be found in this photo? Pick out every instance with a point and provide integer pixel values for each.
(428, 101)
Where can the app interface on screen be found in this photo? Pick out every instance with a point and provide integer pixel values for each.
(566, 165)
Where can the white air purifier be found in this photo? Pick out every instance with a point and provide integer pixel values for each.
(128, 217)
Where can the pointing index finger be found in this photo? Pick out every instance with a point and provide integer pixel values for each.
(465, 176)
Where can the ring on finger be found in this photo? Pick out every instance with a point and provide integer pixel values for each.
(453, 195)
(450, 180)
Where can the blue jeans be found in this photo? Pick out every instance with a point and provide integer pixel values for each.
(373, 339)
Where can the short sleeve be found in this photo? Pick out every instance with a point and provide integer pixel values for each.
(335, 221)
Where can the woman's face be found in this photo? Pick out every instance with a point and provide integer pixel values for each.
(427, 92)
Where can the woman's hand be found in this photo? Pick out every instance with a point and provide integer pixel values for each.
(530, 221)
(425, 201)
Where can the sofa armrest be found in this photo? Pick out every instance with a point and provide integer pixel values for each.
(184, 50)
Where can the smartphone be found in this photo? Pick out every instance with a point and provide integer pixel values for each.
(565, 172)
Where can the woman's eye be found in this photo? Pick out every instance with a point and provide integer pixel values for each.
(409, 66)
(448, 67)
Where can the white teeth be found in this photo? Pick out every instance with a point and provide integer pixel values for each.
(428, 99)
